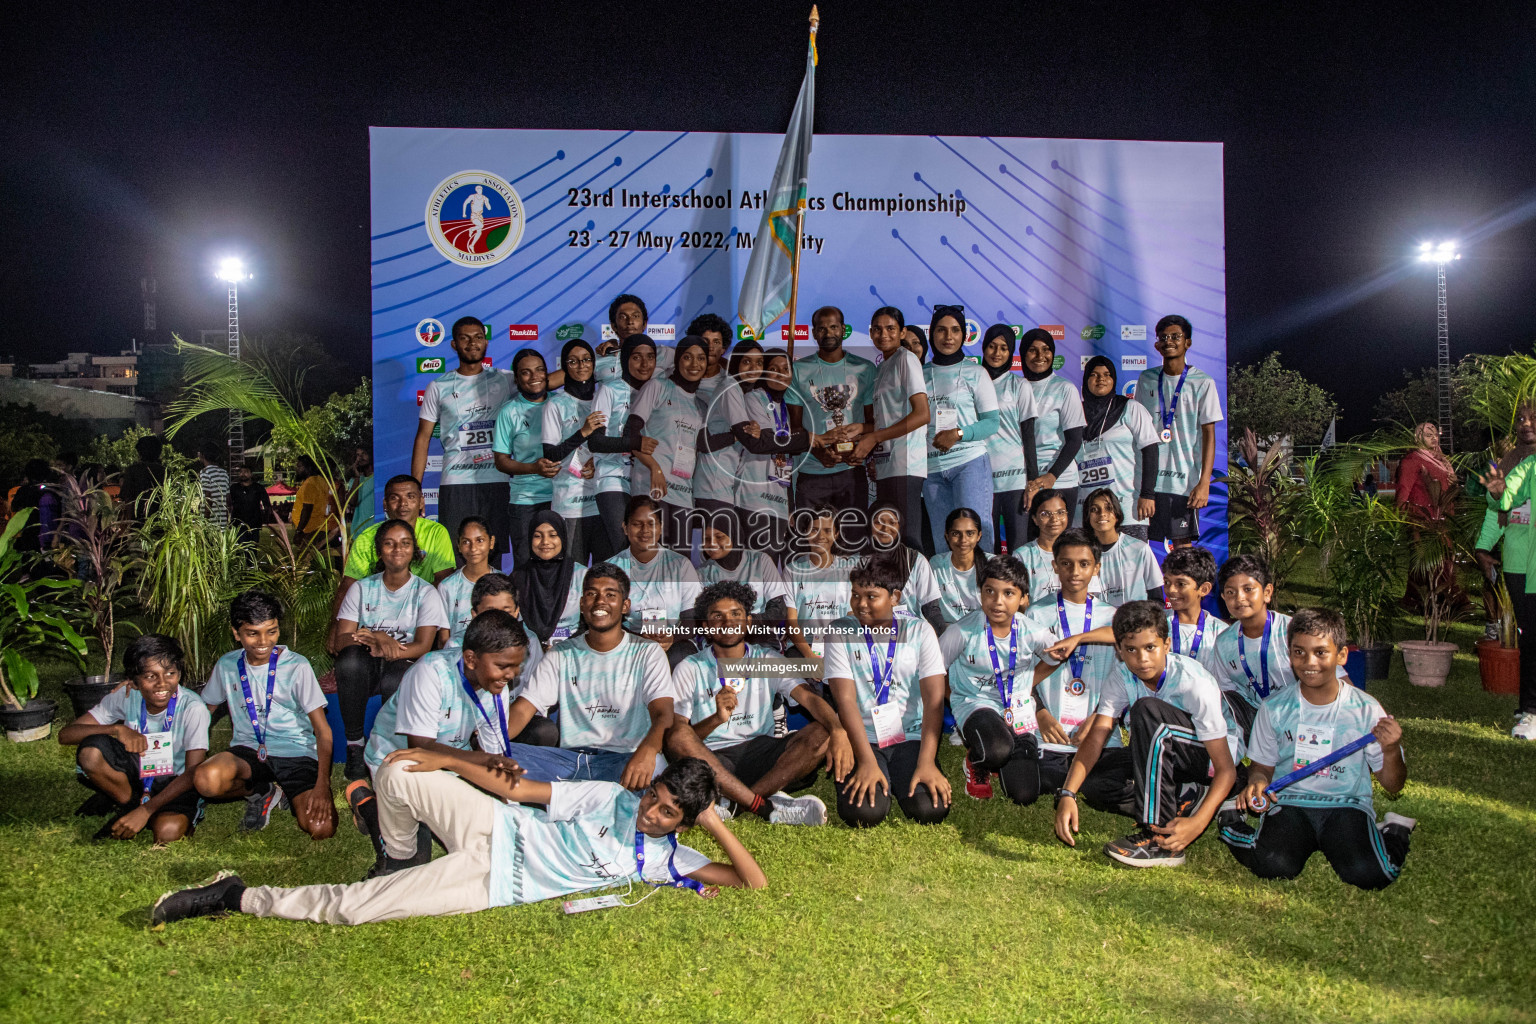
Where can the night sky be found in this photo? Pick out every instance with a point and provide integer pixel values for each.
(157, 142)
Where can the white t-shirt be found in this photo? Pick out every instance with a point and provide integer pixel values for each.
(921, 588)
(1128, 570)
(762, 483)
(400, 613)
(613, 399)
(1043, 581)
(975, 683)
(571, 497)
(756, 570)
(603, 697)
(819, 596)
(1015, 405)
(718, 470)
(1290, 732)
(1058, 408)
(295, 693)
(189, 729)
(1113, 460)
(433, 702)
(1094, 664)
(916, 657)
(464, 408)
(1267, 673)
(697, 680)
(959, 592)
(673, 417)
(1186, 686)
(666, 586)
(455, 593)
(897, 379)
(1197, 643)
(1179, 461)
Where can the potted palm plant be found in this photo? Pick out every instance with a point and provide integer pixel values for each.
(1498, 659)
(31, 621)
(1438, 535)
(1262, 501)
(104, 547)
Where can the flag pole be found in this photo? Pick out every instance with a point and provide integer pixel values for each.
(794, 267)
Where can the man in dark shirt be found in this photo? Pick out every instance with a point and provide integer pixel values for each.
(142, 477)
(249, 506)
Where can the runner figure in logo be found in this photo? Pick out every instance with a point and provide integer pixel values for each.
(475, 219)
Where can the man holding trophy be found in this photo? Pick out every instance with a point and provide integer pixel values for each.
(832, 397)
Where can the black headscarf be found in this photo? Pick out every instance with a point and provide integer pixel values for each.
(1006, 333)
(922, 341)
(768, 355)
(1101, 412)
(582, 390)
(691, 341)
(627, 349)
(733, 366)
(1027, 342)
(542, 584)
(518, 357)
(954, 313)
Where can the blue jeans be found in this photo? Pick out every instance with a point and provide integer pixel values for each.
(580, 764)
(964, 486)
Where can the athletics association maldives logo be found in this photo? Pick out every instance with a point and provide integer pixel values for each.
(429, 332)
(475, 218)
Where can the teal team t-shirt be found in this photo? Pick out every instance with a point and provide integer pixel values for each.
(974, 682)
(1058, 408)
(958, 396)
(1015, 405)
(602, 696)
(1113, 460)
(189, 729)
(898, 377)
(520, 434)
(917, 657)
(822, 389)
(698, 678)
(295, 693)
(571, 496)
(1289, 732)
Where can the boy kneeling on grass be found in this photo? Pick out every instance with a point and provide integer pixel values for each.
(1330, 811)
(593, 835)
(140, 746)
(280, 737)
(1179, 738)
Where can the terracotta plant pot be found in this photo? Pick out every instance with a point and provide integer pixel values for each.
(1428, 661)
(1499, 667)
(32, 722)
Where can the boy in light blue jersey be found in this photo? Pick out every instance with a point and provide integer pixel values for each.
(663, 584)
(494, 590)
(887, 680)
(1331, 810)
(725, 717)
(518, 448)
(502, 849)
(1185, 409)
(280, 736)
(725, 562)
(1189, 575)
(613, 689)
(1179, 737)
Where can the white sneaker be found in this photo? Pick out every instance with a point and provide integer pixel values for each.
(1393, 818)
(1525, 727)
(797, 810)
(723, 809)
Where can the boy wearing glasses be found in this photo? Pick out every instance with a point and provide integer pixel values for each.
(1185, 410)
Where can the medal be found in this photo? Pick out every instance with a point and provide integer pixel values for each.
(258, 724)
(1165, 435)
(1166, 413)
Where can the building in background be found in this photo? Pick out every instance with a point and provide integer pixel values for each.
(117, 374)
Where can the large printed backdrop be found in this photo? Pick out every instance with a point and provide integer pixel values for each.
(534, 232)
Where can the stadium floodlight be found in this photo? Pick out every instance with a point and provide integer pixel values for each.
(232, 271)
(1441, 253)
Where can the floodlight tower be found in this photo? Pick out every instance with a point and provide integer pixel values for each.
(232, 272)
(1440, 254)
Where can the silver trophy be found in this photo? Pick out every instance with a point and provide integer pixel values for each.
(835, 399)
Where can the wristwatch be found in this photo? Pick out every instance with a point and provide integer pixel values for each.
(1064, 793)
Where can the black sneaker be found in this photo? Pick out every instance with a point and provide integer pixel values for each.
(1229, 816)
(258, 810)
(1141, 851)
(207, 899)
(387, 865)
(357, 768)
(97, 805)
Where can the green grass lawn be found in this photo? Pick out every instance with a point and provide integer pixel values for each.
(986, 917)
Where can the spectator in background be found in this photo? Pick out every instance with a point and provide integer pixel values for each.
(1423, 477)
(249, 505)
(362, 508)
(214, 480)
(36, 492)
(142, 476)
(313, 508)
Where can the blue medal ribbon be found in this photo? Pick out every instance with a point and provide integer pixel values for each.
(1078, 658)
(1006, 692)
(1194, 645)
(882, 690)
(1261, 688)
(1167, 413)
(170, 721)
(501, 715)
(259, 724)
(678, 881)
(780, 420)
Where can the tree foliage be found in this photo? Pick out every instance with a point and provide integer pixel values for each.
(1276, 403)
(340, 425)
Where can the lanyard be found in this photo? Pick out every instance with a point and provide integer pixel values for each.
(1078, 657)
(882, 692)
(678, 880)
(501, 715)
(997, 668)
(259, 724)
(720, 672)
(780, 418)
(1166, 413)
(1262, 688)
(1194, 645)
(170, 721)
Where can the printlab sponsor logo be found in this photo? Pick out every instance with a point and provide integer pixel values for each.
(570, 332)
(1058, 332)
(429, 332)
(1137, 363)
(1133, 332)
(475, 218)
(1093, 332)
(523, 332)
(431, 364)
(429, 497)
(656, 332)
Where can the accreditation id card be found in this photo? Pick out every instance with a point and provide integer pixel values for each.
(684, 451)
(1022, 712)
(1314, 742)
(1074, 705)
(945, 417)
(887, 720)
(159, 757)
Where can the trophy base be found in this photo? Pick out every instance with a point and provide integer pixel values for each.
(844, 447)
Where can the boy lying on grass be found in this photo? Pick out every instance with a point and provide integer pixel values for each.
(593, 835)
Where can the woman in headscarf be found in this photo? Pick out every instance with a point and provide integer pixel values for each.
(668, 410)
(611, 447)
(1423, 477)
(772, 450)
(920, 590)
(720, 455)
(1058, 419)
(1012, 448)
(548, 585)
(1509, 514)
(568, 421)
(964, 406)
(1119, 449)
